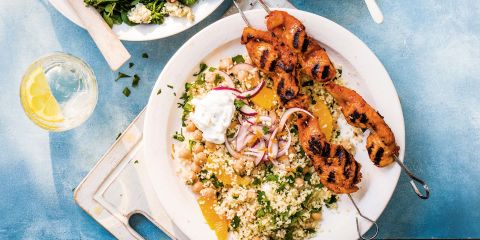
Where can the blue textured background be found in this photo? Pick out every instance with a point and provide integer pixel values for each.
(430, 48)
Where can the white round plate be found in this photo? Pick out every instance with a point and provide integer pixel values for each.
(171, 26)
(362, 71)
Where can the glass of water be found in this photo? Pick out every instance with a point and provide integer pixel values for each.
(58, 92)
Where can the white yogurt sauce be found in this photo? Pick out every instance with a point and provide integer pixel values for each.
(213, 114)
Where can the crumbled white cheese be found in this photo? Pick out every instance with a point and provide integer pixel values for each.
(177, 9)
(140, 14)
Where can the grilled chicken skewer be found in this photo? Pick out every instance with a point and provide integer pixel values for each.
(275, 59)
(312, 57)
(381, 145)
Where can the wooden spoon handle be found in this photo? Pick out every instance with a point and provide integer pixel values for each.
(110, 46)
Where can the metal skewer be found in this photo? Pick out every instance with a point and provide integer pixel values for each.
(414, 179)
(364, 217)
(267, 9)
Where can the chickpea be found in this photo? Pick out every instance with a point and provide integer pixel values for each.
(196, 168)
(208, 192)
(210, 146)
(225, 63)
(210, 77)
(251, 194)
(191, 127)
(239, 165)
(316, 216)
(197, 135)
(200, 158)
(198, 148)
(197, 187)
(299, 182)
(242, 75)
(249, 165)
(185, 154)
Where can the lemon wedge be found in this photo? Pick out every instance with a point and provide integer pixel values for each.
(40, 100)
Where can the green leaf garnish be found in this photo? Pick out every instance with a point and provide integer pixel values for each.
(179, 136)
(202, 67)
(121, 75)
(144, 55)
(135, 80)
(238, 59)
(126, 92)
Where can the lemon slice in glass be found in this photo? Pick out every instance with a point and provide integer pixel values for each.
(40, 100)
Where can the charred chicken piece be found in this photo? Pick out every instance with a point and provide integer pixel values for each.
(381, 144)
(338, 169)
(277, 60)
(313, 58)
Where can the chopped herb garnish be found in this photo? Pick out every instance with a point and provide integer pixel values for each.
(265, 129)
(307, 176)
(121, 75)
(216, 182)
(260, 213)
(159, 91)
(290, 179)
(202, 67)
(188, 86)
(136, 162)
(235, 222)
(174, 94)
(170, 86)
(217, 79)
(281, 187)
(200, 79)
(211, 69)
(238, 59)
(126, 92)
(191, 143)
(289, 234)
(135, 80)
(238, 104)
(118, 136)
(331, 200)
(179, 136)
(130, 65)
(256, 181)
(271, 178)
(320, 185)
(144, 55)
(294, 129)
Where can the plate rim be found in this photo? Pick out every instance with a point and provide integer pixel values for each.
(378, 67)
(60, 5)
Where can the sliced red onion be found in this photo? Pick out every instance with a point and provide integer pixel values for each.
(273, 149)
(228, 79)
(253, 92)
(287, 114)
(234, 153)
(247, 110)
(241, 67)
(234, 135)
(227, 89)
(284, 150)
(242, 134)
(260, 158)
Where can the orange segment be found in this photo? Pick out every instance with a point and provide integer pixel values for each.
(217, 223)
(325, 119)
(265, 98)
(225, 177)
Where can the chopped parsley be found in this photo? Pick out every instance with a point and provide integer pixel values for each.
(294, 130)
(290, 179)
(307, 83)
(191, 143)
(265, 129)
(130, 65)
(271, 178)
(118, 136)
(121, 75)
(200, 79)
(216, 182)
(235, 222)
(202, 67)
(135, 80)
(126, 92)
(307, 176)
(144, 55)
(218, 79)
(260, 213)
(333, 199)
(238, 59)
(238, 104)
(211, 69)
(179, 136)
(136, 162)
(170, 86)
(256, 181)
(159, 91)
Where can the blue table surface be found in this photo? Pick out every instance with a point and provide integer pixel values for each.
(431, 50)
